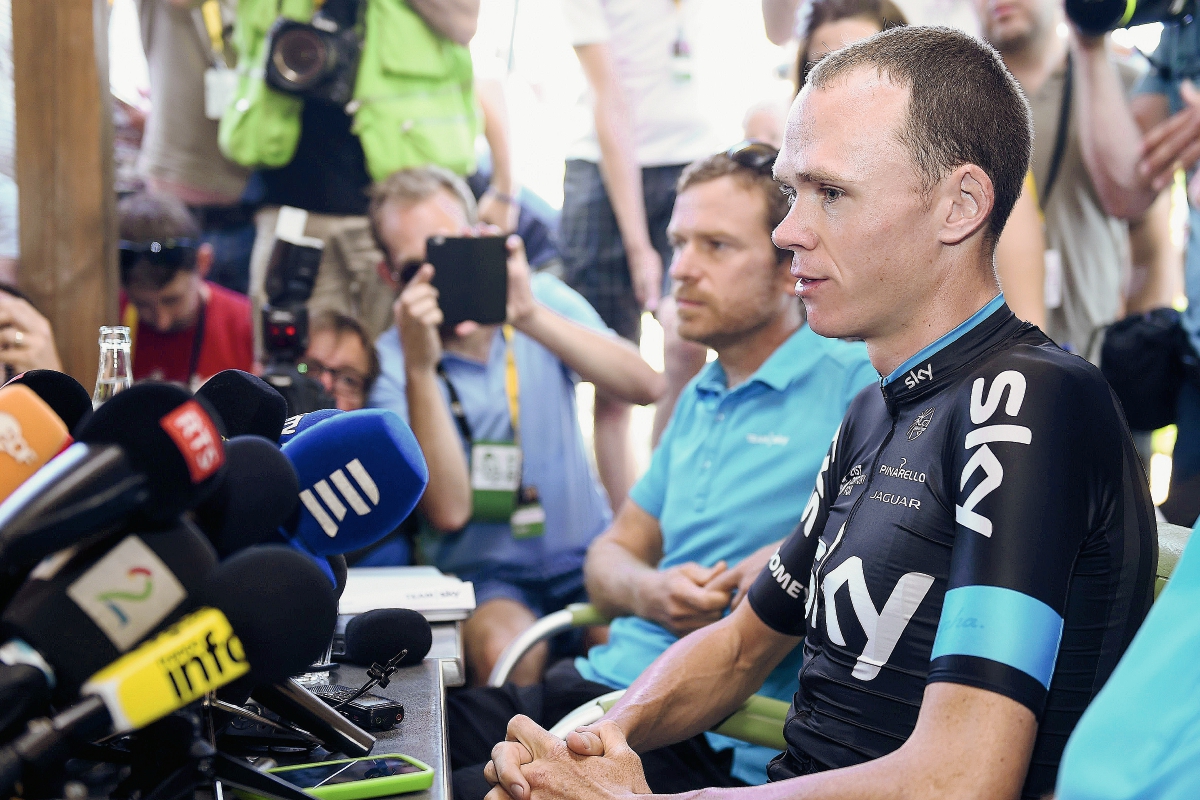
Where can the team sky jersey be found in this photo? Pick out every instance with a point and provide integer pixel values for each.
(983, 520)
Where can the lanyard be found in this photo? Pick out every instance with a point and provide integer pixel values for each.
(130, 320)
(1060, 138)
(512, 388)
(197, 342)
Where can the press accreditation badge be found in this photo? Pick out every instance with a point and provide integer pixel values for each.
(495, 478)
(220, 84)
(529, 519)
(1053, 288)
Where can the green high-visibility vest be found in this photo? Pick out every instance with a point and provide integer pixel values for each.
(414, 99)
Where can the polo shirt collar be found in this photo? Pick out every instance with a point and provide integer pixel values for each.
(791, 360)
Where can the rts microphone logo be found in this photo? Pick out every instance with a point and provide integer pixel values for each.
(197, 438)
(127, 593)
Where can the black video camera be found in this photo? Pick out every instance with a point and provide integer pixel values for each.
(291, 274)
(1097, 17)
(316, 60)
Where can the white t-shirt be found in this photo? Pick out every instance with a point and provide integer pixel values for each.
(669, 125)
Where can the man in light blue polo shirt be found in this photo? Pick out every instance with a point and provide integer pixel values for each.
(512, 500)
(729, 479)
(1140, 737)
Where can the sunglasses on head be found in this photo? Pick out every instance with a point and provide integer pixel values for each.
(165, 253)
(755, 155)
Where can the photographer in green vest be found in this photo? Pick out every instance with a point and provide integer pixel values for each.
(332, 96)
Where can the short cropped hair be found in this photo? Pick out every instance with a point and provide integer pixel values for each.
(964, 106)
(720, 165)
(413, 186)
(341, 324)
(154, 217)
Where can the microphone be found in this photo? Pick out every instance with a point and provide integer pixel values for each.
(65, 395)
(30, 435)
(250, 629)
(150, 453)
(283, 613)
(247, 404)
(376, 637)
(184, 462)
(302, 422)
(81, 610)
(361, 473)
(24, 693)
(258, 494)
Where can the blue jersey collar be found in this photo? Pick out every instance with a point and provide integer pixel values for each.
(944, 341)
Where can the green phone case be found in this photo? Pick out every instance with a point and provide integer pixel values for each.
(372, 787)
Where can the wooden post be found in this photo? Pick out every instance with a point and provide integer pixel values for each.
(65, 172)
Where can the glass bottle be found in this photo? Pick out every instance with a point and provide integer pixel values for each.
(116, 365)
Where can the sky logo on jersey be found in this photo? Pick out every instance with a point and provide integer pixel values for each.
(112, 597)
(984, 459)
(127, 593)
(882, 628)
(332, 504)
(916, 376)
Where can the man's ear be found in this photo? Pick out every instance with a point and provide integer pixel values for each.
(204, 260)
(968, 198)
(385, 274)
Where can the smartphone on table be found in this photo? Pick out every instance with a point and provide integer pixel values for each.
(471, 276)
(356, 778)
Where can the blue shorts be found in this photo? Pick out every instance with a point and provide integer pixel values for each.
(541, 596)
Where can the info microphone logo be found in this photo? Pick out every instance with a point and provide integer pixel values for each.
(127, 593)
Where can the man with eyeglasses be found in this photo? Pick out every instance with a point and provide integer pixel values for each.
(728, 480)
(512, 501)
(185, 329)
(342, 358)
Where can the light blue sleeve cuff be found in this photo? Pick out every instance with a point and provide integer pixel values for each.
(1001, 625)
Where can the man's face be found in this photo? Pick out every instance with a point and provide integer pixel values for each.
(862, 230)
(340, 362)
(728, 280)
(174, 307)
(1013, 25)
(405, 227)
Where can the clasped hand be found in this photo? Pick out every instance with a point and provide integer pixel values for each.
(595, 761)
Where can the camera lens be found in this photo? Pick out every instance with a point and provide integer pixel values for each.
(300, 55)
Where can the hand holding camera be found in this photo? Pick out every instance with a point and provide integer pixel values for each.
(418, 318)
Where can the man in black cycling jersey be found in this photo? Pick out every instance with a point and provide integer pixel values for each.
(980, 546)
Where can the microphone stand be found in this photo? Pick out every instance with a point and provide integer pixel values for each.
(378, 676)
(205, 767)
